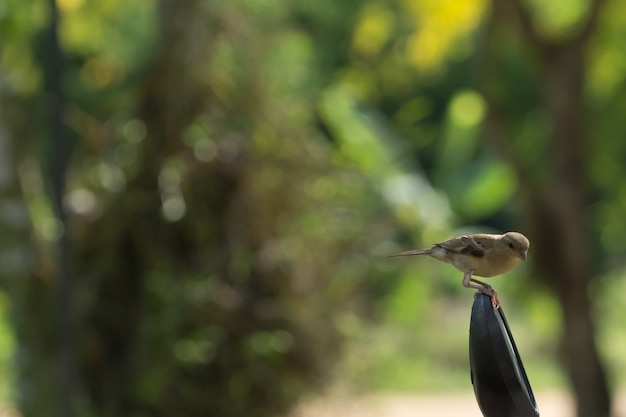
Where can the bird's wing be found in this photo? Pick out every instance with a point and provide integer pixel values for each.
(474, 245)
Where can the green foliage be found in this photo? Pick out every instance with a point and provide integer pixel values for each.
(491, 186)
(214, 246)
(558, 18)
(19, 22)
(7, 346)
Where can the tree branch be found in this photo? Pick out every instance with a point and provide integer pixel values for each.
(526, 24)
(592, 19)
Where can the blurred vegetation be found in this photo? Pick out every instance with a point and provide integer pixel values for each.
(240, 169)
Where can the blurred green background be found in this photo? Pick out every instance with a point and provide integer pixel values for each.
(198, 198)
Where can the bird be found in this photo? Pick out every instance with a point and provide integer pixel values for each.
(481, 254)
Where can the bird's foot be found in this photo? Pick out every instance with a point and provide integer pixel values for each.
(488, 290)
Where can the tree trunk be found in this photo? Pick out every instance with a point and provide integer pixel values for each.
(557, 195)
(566, 264)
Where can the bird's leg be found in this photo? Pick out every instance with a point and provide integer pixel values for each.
(483, 287)
(467, 278)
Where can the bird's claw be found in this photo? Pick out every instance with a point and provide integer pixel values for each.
(488, 290)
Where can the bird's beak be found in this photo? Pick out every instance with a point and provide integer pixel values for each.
(522, 255)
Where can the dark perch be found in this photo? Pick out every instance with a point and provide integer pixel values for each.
(500, 382)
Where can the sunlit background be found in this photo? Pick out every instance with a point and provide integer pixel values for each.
(234, 173)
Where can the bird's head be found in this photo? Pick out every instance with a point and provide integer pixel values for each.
(518, 243)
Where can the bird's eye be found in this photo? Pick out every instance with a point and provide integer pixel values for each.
(511, 245)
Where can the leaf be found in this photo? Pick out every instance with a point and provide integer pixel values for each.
(485, 190)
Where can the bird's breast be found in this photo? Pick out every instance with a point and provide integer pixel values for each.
(492, 266)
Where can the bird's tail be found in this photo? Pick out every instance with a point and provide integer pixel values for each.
(413, 252)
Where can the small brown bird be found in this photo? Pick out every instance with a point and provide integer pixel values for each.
(480, 254)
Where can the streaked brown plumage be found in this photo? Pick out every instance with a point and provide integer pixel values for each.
(483, 255)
